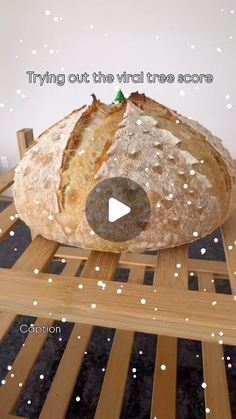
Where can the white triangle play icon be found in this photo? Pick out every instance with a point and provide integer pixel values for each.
(116, 210)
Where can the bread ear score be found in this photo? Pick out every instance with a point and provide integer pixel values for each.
(188, 175)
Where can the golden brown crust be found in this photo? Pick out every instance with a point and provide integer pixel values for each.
(72, 156)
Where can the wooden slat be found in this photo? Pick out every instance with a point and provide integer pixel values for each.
(60, 393)
(25, 137)
(6, 179)
(170, 262)
(216, 392)
(37, 255)
(6, 198)
(113, 386)
(149, 261)
(12, 417)
(6, 224)
(17, 289)
(229, 239)
(27, 357)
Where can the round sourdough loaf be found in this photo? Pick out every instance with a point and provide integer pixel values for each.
(188, 175)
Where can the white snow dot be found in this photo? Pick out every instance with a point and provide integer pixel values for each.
(9, 367)
(192, 172)
(50, 217)
(41, 376)
(63, 319)
(91, 26)
(80, 286)
(51, 51)
(20, 384)
(214, 303)
(134, 369)
(177, 121)
(47, 12)
(212, 335)
(221, 334)
(97, 268)
(55, 19)
(176, 274)
(178, 265)
(139, 122)
(63, 260)
(227, 97)
(185, 186)
(229, 365)
(11, 109)
(143, 301)
(34, 52)
(189, 202)
(221, 342)
(207, 410)
(36, 271)
(50, 280)
(12, 233)
(29, 402)
(216, 240)
(195, 233)
(163, 367)
(230, 247)
(157, 37)
(204, 385)
(140, 352)
(3, 382)
(201, 161)
(191, 274)
(182, 93)
(203, 250)
(77, 398)
(232, 12)
(229, 106)
(18, 92)
(93, 305)
(2, 105)
(170, 195)
(218, 49)
(193, 46)
(119, 291)
(35, 303)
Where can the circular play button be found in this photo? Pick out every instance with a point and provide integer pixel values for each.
(118, 209)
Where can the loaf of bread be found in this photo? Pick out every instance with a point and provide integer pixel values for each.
(188, 175)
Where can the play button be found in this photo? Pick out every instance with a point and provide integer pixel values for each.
(118, 209)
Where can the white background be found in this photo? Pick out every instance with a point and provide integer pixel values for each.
(112, 36)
